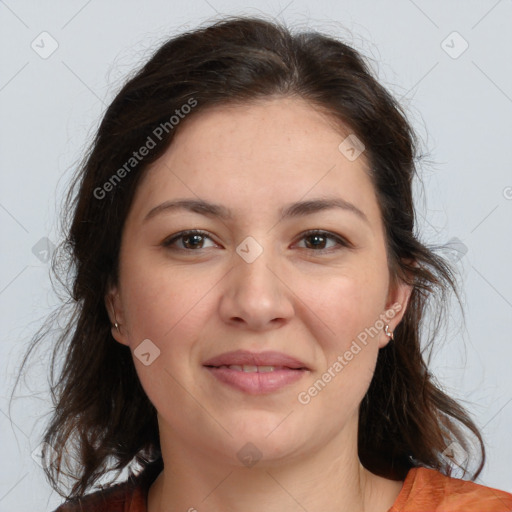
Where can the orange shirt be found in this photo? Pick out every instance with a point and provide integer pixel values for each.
(427, 490)
(424, 490)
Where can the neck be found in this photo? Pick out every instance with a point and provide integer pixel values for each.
(192, 481)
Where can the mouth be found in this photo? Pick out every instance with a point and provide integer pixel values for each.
(249, 368)
(256, 373)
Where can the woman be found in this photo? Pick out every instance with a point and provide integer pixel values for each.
(249, 293)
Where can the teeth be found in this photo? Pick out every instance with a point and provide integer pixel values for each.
(251, 368)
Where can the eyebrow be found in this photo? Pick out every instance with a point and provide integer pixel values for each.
(298, 209)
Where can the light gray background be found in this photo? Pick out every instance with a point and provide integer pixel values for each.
(461, 107)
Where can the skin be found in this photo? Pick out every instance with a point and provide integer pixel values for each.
(196, 303)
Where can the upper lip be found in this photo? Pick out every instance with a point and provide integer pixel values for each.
(245, 357)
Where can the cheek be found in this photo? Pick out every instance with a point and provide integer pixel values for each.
(342, 305)
(344, 318)
(163, 303)
(169, 307)
(347, 337)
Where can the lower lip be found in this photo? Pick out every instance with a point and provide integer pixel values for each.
(255, 383)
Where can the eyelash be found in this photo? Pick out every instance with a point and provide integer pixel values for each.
(340, 241)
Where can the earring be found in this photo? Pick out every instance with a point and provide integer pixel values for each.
(116, 325)
(389, 334)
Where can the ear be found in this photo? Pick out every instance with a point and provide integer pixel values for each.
(396, 306)
(115, 311)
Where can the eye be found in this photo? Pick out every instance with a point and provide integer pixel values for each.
(188, 240)
(318, 241)
(315, 240)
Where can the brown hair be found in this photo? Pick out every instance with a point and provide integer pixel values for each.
(102, 419)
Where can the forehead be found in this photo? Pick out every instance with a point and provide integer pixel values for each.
(258, 156)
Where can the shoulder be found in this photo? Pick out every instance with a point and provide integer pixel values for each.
(128, 496)
(116, 498)
(428, 489)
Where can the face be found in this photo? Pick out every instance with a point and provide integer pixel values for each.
(254, 300)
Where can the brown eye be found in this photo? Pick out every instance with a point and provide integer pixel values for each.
(193, 241)
(316, 241)
(187, 240)
(319, 241)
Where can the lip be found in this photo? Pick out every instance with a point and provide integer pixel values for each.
(245, 357)
(287, 370)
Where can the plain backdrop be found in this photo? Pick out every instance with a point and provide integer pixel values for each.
(449, 63)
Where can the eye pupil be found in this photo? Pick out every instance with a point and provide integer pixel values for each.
(319, 240)
(197, 240)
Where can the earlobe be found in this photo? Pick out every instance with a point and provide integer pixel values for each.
(114, 309)
(399, 302)
(396, 307)
(400, 292)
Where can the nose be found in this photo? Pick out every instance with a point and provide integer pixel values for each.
(256, 295)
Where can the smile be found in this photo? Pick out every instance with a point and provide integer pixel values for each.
(256, 380)
(255, 373)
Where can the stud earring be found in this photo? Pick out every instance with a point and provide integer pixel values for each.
(389, 334)
(116, 325)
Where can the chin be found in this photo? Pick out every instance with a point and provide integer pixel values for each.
(273, 435)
